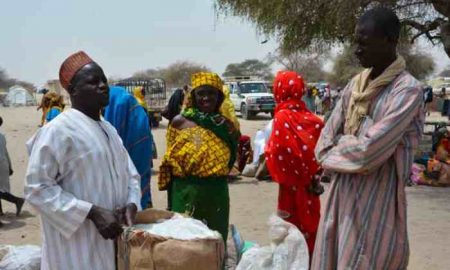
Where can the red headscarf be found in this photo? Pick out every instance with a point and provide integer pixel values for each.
(290, 150)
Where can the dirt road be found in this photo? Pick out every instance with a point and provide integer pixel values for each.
(252, 202)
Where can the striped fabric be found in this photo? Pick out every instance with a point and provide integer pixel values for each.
(364, 225)
(76, 162)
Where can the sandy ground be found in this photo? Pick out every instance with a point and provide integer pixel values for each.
(252, 202)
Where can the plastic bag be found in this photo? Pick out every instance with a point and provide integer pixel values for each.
(179, 227)
(288, 250)
(27, 257)
(249, 170)
(260, 140)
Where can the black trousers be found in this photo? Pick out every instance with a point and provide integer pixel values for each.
(8, 197)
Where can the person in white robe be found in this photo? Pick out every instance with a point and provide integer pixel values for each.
(80, 177)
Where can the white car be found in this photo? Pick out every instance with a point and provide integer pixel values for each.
(251, 97)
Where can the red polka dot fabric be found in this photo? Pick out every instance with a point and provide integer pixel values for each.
(290, 155)
(290, 150)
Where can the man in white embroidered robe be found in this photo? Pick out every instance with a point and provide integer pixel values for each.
(80, 177)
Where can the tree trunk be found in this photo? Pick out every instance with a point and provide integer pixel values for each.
(442, 6)
(445, 37)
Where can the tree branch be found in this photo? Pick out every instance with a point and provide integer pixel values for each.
(442, 6)
(425, 29)
(410, 5)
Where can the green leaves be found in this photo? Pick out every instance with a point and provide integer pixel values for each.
(175, 75)
(300, 24)
(249, 67)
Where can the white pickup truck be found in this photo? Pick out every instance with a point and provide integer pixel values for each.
(250, 96)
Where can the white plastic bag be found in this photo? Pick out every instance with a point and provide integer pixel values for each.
(260, 140)
(249, 170)
(26, 257)
(288, 250)
(181, 228)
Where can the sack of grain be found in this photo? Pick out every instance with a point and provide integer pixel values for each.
(166, 241)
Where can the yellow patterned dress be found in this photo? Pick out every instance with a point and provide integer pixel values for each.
(194, 170)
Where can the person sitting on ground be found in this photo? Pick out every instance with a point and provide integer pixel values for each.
(245, 152)
(244, 157)
(201, 150)
(259, 158)
(5, 172)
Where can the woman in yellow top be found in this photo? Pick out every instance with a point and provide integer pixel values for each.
(227, 108)
(139, 95)
(202, 146)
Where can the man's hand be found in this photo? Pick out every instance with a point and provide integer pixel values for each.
(106, 222)
(315, 187)
(127, 215)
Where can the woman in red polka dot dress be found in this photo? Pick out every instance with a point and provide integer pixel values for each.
(290, 155)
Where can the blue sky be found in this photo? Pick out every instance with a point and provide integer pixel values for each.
(124, 36)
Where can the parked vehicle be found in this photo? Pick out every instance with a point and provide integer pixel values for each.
(155, 95)
(250, 95)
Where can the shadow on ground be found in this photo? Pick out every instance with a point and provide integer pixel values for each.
(11, 221)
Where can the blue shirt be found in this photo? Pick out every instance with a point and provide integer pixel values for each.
(52, 113)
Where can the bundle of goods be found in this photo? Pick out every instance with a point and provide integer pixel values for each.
(167, 241)
(288, 249)
(236, 247)
(26, 257)
(434, 169)
(437, 173)
(257, 168)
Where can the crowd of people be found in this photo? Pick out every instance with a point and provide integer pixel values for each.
(90, 166)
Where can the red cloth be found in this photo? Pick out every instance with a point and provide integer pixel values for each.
(244, 139)
(446, 143)
(301, 209)
(290, 154)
